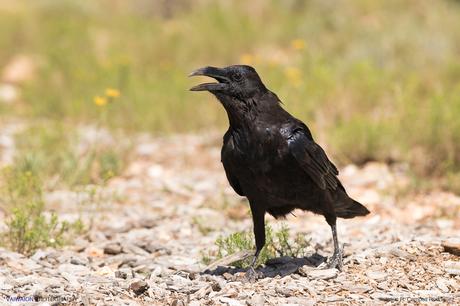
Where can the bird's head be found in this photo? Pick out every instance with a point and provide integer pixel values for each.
(238, 81)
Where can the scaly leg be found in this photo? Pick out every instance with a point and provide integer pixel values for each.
(258, 218)
(336, 260)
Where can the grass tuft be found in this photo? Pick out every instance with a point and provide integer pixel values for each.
(277, 244)
(28, 226)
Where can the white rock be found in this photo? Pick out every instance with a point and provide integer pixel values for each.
(442, 284)
(377, 275)
(230, 302)
(256, 300)
(318, 273)
(452, 267)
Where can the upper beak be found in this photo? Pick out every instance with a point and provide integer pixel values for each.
(213, 72)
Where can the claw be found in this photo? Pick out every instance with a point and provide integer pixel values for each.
(251, 275)
(336, 260)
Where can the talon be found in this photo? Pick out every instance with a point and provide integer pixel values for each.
(336, 260)
(251, 275)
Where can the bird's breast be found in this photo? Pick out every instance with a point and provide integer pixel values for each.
(259, 149)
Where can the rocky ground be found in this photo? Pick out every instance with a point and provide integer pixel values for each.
(151, 225)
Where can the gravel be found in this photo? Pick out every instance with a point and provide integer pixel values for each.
(156, 220)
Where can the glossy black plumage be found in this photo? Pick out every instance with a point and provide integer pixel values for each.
(270, 157)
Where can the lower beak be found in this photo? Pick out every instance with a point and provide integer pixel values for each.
(213, 72)
(209, 87)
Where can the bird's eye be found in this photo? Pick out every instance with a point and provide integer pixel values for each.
(237, 77)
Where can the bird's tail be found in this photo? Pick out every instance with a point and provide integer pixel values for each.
(350, 208)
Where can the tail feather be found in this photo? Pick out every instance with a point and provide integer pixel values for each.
(350, 209)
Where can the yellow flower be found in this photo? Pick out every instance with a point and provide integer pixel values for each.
(298, 44)
(100, 101)
(247, 59)
(112, 92)
(294, 75)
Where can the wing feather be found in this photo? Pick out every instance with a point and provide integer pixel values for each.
(313, 160)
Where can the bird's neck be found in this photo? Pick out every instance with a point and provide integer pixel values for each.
(242, 113)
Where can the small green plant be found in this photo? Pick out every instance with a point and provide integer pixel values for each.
(29, 227)
(277, 244)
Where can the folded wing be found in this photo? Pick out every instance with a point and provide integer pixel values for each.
(312, 159)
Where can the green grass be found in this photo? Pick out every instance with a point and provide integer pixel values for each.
(277, 243)
(28, 225)
(375, 80)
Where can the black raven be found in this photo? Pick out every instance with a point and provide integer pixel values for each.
(270, 157)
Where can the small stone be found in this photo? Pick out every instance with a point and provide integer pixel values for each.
(147, 222)
(201, 293)
(178, 303)
(39, 255)
(112, 248)
(442, 284)
(376, 275)
(124, 273)
(73, 269)
(94, 252)
(139, 287)
(230, 302)
(256, 300)
(83, 261)
(284, 291)
(228, 276)
(356, 288)
(383, 297)
(157, 250)
(334, 299)
(105, 271)
(318, 274)
(133, 249)
(216, 286)
(452, 246)
(452, 267)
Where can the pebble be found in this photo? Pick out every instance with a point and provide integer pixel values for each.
(155, 249)
(178, 303)
(377, 275)
(452, 246)
(138, 286)
(256, 300)
(124, 273)
(112, 248)
(442, 284)
(452, 267)
(319, 273)
(230, 302)
(83, 261)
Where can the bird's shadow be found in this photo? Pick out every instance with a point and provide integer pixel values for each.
(281, 266)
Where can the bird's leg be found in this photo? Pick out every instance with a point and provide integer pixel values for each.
(251, 274)
(258, 218)
(336, 259)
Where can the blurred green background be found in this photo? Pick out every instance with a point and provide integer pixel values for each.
(375, 80)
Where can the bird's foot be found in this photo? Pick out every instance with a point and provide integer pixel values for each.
(335, 261)
(251, 275)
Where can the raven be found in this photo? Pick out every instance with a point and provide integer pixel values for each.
(270, 157)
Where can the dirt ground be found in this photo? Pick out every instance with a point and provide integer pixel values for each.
(151, 225)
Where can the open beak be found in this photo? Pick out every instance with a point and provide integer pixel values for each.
(213, 72)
